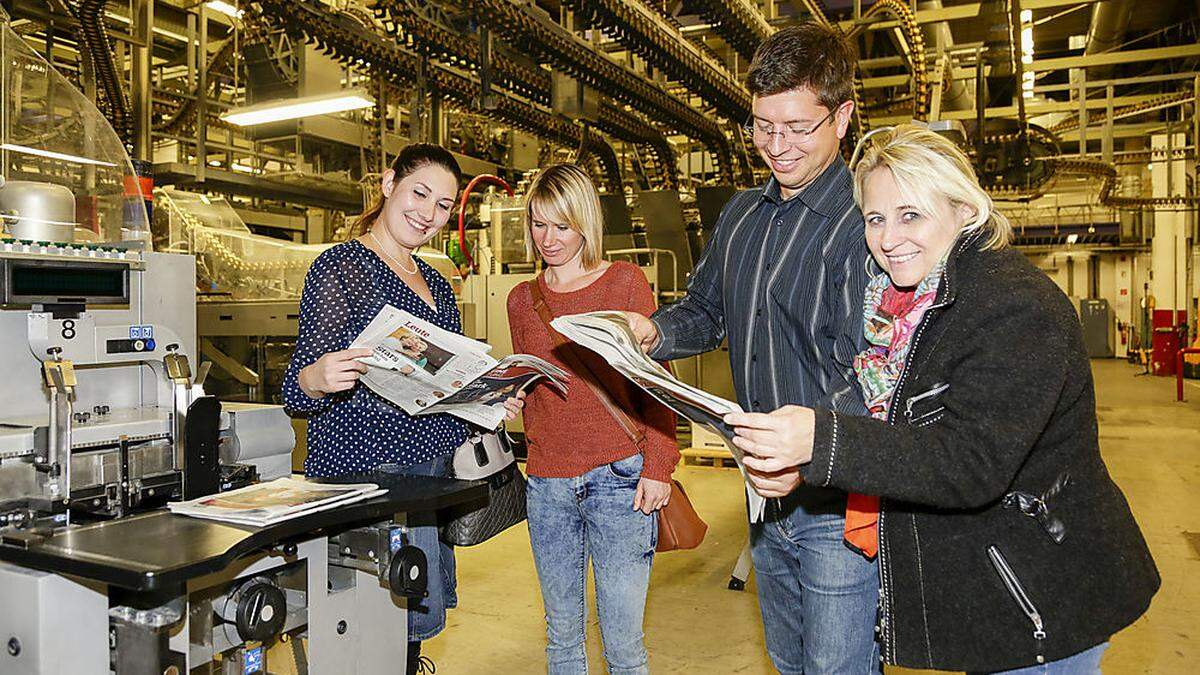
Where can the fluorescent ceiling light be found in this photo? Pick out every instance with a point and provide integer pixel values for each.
(225, 8)
(290, 109)
(53, 155)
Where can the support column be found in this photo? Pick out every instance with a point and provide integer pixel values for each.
(1168, 261)
(1123, 303)
(143, 30)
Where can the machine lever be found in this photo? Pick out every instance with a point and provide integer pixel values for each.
(202, 373)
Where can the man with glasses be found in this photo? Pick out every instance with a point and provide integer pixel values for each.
(782, 278)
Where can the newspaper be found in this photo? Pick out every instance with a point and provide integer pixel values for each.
(425, 369)
(609, 335)
(274, 501)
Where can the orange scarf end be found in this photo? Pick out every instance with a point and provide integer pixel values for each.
(862, 523)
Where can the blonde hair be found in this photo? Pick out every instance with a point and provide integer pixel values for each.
(926, 165)
(564, 195)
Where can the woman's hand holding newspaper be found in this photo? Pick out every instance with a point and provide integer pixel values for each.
(335, 371)
(513, 406)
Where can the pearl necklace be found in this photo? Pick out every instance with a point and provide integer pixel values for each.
(392, 257)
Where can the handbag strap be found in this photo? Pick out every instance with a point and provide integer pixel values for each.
(566, 350)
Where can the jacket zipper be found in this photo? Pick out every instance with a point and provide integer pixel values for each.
(908, 404)
(889, 647)
(1017, 591)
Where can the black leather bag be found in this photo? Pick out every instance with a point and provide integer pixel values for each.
(486, 456)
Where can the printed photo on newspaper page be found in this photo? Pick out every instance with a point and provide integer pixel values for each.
(482, 401)
(608, 334)
(424, 369)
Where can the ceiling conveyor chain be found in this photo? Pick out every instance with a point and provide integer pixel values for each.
(343, 38)
(1108, 177)
(442, 43)
(425, 36)
(551, 42)
(738, 22)
(1071, 123)
(184, 115)
(915, 54)
(646, 34)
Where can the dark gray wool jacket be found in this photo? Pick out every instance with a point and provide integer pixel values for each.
(1003, 540)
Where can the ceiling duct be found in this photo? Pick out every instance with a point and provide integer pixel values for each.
(1110, 20)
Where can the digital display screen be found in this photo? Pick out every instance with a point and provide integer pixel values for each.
(68, 281)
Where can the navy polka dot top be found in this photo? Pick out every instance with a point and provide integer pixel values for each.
(357, 430)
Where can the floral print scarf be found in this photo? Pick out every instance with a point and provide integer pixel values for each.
(890, 318)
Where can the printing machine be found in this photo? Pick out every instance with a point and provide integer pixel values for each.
(101, 422)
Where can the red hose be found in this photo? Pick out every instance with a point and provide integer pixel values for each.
(462, 211)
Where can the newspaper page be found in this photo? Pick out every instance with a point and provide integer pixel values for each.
(608, 334)
(425, 369)
(482, 401)
(274, 501)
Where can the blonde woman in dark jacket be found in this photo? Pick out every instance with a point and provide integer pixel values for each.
(1003, 544)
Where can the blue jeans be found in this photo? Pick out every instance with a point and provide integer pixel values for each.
(818, 597)
(592, 515)
(427, 616)
(1086, 662)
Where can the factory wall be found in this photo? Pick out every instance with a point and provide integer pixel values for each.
(1119, 278)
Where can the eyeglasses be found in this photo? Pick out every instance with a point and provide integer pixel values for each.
(792, 133)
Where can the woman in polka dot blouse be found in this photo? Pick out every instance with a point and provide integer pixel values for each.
(351, 428)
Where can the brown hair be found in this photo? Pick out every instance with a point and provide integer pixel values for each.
(411, 158)
(805, 55)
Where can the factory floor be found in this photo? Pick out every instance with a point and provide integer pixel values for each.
(694, 624)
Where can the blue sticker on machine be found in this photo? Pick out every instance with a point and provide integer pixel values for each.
(395, 539)
(141, 332)
(252, 661)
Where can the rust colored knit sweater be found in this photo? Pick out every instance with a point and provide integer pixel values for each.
(569, 436)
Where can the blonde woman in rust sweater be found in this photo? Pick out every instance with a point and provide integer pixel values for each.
(593, 486)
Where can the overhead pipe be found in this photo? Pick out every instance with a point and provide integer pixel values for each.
(957, 94)
(1110, 20)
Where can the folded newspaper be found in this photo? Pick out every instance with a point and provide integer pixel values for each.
(274, 501)
(425, 369)
(608, 334)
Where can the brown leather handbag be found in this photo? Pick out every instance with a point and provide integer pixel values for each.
(679, 526)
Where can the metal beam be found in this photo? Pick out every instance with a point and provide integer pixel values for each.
(315, 191)
(1100, 84)
(960, 12)
(1119, 131)
(902, 80)
(1067, 62)
(1032, 110)
(1114, 58)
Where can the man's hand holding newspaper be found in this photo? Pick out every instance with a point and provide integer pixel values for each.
(425, 369)
(610, 335)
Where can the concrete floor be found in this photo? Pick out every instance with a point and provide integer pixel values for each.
(695, 625)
